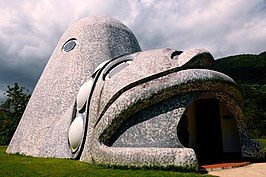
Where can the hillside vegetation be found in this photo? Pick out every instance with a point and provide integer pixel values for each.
(249, 71)
(244, 68)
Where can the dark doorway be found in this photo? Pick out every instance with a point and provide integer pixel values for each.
(209, 135)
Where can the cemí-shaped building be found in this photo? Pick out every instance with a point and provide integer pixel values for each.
(101, 99)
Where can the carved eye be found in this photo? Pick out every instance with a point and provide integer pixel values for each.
(83, 94)
(69, 45)
(75, 132)
(78, 127)
(115, 67)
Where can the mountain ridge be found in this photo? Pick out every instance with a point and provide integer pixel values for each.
(249, 68)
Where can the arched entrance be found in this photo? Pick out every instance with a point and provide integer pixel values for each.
(213, 131)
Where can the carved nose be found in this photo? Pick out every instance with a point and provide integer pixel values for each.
(193, 58)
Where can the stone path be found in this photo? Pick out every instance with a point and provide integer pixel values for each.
(252, 170)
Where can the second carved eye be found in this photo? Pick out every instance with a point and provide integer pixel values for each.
(75, 132)
(116, 69)
(83, 95)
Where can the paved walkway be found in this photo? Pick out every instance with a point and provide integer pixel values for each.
(252, 170)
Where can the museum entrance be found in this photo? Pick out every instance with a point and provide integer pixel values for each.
(208, 128)
(213, 133)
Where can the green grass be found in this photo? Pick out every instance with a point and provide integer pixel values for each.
(19, 165)
(263, 141)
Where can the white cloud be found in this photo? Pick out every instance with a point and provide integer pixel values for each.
(209, 24)
(29, 30)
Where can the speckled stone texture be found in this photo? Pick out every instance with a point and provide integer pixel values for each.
(133, 116)
(135, 105)
(43, 129)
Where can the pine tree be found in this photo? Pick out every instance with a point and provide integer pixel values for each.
(11, 111)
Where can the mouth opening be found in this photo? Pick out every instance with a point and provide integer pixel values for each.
(153, 126)
(154, 120)
(202, 123)
(150, 118)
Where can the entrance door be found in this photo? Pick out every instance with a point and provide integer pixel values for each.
(209, 136)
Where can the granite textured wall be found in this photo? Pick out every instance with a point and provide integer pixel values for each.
(133, 115)
(128, 110)
(43, 129)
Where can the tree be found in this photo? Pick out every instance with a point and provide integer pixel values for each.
(255, 108)
(11, 111)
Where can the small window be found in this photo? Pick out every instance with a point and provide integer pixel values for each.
(69, 45)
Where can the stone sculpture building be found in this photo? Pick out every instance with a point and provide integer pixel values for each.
(101, 99)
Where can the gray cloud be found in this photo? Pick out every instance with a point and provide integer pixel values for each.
(29, 30)
(223, 27)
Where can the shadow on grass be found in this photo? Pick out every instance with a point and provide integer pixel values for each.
(152, 168)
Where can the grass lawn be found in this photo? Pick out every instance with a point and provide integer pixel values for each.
(18, 165)
(263, 141)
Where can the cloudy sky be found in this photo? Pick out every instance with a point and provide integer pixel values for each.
(30, 29)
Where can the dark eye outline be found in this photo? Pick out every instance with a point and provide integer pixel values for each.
(69, 45)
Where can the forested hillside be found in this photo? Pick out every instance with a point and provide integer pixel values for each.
(244, 68)
(249, 71)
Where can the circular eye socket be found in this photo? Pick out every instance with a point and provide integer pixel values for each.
(75, 132)
(69, 45)
(83, 94)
